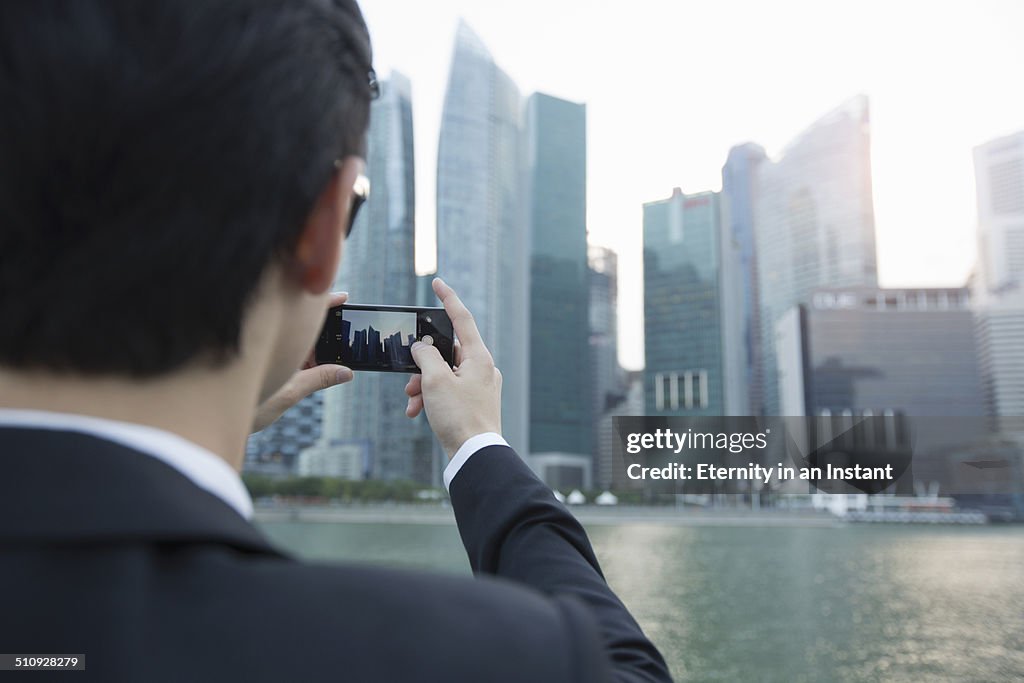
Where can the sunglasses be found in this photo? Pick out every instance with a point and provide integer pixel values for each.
(360, 193)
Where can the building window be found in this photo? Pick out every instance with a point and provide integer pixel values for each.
(697, 389)
(666, 391)
(675, 390)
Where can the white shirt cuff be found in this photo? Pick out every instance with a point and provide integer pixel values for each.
(466, 451)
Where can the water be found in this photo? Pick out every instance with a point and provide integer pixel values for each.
(851, 603)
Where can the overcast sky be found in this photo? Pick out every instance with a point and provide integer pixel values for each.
(671, 85)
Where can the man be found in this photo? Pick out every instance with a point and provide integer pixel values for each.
(176, 183)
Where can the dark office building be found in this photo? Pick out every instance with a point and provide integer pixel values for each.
(560, 394)
(906, 353)
(911, 350)
(874, 351)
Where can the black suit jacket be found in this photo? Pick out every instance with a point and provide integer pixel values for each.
(114, 554)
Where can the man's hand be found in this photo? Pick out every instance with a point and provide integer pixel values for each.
(463, 402)
(311, 377)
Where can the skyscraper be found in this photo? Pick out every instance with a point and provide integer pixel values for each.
(608, 383)
(813, 222)
(482, 230)
(425, 290)
(608, 380)
(1000, 332)
(999, 284)
(379, 268)
(690, 307)
(739, 179)
(560, 373)
(999, 179)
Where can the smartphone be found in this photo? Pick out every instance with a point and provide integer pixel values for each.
(364, 337)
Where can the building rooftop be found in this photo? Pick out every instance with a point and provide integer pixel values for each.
(891, 299)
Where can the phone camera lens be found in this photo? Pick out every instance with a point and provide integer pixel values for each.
(427, 339)
(427, 318)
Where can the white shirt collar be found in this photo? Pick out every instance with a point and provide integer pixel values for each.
(205, 469)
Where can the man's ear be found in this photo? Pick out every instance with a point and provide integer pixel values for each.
(318, 250)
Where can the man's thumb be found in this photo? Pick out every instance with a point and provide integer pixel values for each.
(428, 358)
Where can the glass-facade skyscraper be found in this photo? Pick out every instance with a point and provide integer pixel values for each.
(482, 227)
(814, 223)
(556, 172)
(739, 179)
(684, 321)
(366, 417)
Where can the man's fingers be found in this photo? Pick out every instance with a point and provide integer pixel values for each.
(429, 360)
(462, 320)
(299, 386)
(414, 386)
(415, 406)
(305, 382)
(320, 377)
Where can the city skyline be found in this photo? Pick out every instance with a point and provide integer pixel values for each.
(722, 270)
(784, 77)
(385, 322)
(362, 343)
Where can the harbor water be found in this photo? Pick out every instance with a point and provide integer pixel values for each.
(775, 602)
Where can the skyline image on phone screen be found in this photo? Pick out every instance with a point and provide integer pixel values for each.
(380, 338)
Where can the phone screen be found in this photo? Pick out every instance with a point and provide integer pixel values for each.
(380, 338)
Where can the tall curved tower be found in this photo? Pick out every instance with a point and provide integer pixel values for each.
(814, 222)
(483, 243)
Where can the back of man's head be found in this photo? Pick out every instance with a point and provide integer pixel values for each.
(155, 158)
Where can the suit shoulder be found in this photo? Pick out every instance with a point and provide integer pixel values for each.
(451, 622)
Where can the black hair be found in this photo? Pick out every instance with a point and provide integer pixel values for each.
(155, 157)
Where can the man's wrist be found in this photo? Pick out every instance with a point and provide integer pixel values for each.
(467, 449)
